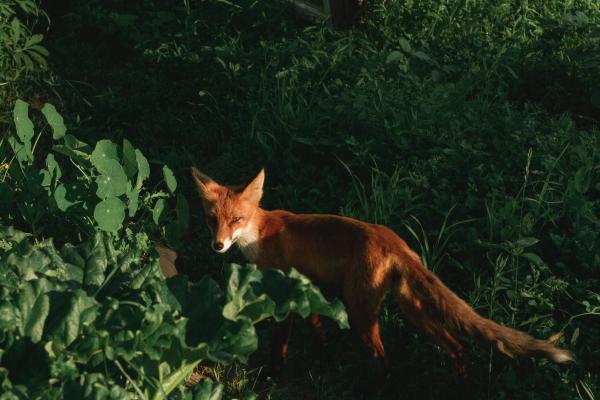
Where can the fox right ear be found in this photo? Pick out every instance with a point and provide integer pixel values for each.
(204, 183)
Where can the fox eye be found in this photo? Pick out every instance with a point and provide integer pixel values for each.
(235, 220)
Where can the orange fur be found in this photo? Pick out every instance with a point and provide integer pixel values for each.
(365, 261)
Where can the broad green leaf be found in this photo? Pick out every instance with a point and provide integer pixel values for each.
(526, 242)
(583, 179)
(157, 211)
(405, 45)
(395, 56)
(69, 312)
(104, 152)
(55, 120)
(175, 230)
(74, 148)
(52, 173)
(207, 389)
(534, 258)
(34, 305)
(113, 181)
(143, 169)
(22, 121)
(23, 152)
(8, 317)
(169, 178)
(133, 196)
(109, 214)
(129, 160)
(67, 196)
(92, 257)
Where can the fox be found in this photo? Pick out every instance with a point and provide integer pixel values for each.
(364, 261)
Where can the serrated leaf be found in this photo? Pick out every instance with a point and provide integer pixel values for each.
(113, 181)
(110, 214)
(169, 178)
(143, 169)
(55, 120)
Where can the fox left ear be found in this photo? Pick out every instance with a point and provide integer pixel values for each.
(204, 183)
(254, 191)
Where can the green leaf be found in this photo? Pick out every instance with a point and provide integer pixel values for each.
(157, 211)
(583, 179)
(143, 169)
(22, 121)
(113, 181)
(74, 148)
(23, 151)
(104, 152)
(395, 56)
(129, 159)
(91, 259)
(55, 120)
(133, 196)
(70, 197)
(534, 258)
(207, 389)
(52, 173)
(169, 179)
(109, 214)
(34, 305)
(69, 313)
(526, 242)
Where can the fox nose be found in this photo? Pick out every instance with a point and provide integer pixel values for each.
(217, 246)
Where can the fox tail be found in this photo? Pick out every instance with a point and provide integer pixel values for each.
(438, 311)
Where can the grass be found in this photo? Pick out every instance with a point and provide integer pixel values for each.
(464, 126)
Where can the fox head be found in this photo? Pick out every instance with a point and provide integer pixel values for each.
(229, 210)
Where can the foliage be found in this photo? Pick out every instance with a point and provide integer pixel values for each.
(22, 55)
(98, 321)
(470, 128)
(61, 204)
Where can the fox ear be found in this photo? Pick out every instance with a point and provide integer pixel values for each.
(254, 191)
(205, 184)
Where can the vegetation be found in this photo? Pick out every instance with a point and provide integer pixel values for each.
(470, 128)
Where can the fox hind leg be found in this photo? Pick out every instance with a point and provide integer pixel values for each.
(280, 337)
(363, 310)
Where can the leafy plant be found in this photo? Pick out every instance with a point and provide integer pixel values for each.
(44, 198)
(97, 320)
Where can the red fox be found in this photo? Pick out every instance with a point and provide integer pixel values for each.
(365, 261)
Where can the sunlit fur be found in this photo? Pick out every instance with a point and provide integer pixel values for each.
(365, 261)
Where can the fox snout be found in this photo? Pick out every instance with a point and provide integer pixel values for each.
(221, 245)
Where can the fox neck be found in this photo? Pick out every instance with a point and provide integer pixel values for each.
(249, 237)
